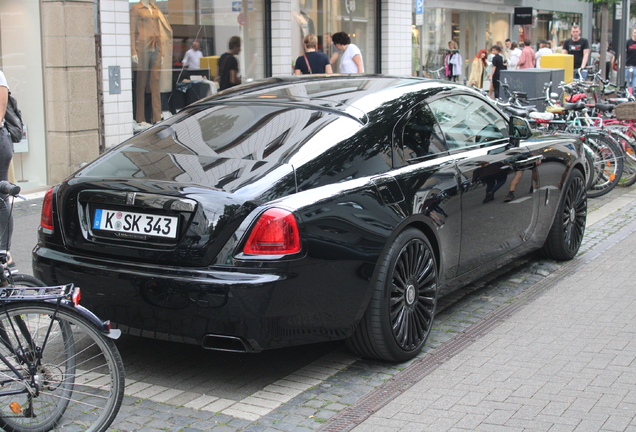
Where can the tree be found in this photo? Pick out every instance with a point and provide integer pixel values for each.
(602, 49)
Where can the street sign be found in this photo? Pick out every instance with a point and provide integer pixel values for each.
(237, 6)
(241, 19)
(419, 6)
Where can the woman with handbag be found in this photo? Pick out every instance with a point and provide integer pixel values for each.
(6, 154)
(312, 62)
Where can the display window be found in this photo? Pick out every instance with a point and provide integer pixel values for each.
(21, 64)
(183, 49)
(323, 18)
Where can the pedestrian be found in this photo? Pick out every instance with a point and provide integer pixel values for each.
(515, 55)
(507, 50)
(228, 65)
(527, 58)
(477, 68)
(544, 49)
(330, 49)
(351, 58)
(497, 67)
(192, 58)
(610, 59)
(579, 48)
(6, 154)
(312, 62)
(630, 61)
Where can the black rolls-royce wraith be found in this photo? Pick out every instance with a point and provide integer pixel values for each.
(305, 209)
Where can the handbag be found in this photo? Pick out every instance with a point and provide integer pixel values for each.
(13, 120)
(307, 62)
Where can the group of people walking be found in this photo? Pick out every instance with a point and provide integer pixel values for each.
(513, 56)
(316, 62)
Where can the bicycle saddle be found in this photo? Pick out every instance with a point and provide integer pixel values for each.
(605, 107)
(555, 109)
(517, 112)
(576, 106)
(617, 101)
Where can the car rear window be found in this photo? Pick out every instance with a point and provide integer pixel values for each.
(238, 131)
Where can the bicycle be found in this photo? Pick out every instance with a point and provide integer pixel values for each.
(59, 366)
(435, 74)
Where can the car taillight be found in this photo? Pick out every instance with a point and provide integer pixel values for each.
(275, 233)
(46, 220)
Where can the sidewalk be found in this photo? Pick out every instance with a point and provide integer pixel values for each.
(560, 357)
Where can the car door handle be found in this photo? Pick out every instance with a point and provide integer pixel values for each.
(533, 159)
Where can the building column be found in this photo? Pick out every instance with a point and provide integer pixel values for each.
(70, 85)
(396, 37)
(115, 51)
(281, 38)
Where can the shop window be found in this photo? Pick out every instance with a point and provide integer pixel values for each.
(326, 17)
(162, 32)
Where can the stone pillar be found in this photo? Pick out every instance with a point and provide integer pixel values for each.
(70, 86)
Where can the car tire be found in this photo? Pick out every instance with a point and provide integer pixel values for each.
(400, 314)
(566, 234)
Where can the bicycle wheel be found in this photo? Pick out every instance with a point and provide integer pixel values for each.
(628, 147)
(78, 375)
(23, 280)
(608, 164)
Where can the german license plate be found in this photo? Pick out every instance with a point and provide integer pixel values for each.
(135, 223)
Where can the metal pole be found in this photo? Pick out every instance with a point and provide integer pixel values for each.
(621, 49)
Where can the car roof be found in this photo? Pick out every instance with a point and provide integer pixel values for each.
(355, 95)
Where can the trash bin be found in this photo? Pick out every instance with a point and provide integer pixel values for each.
(528, 80)
(560, 61)
(211, 62)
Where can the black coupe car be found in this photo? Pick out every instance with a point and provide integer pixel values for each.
(305, 209)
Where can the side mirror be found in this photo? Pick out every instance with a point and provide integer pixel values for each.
(519, 128)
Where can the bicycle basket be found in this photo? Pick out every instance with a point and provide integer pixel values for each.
(626, 111)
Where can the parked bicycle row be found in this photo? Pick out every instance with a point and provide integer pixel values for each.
(600, 113)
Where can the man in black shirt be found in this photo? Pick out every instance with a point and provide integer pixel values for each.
(228, 66)
(630, 61)
(497, 67)
(580, 48)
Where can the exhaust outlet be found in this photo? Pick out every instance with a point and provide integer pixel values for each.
(225, 343)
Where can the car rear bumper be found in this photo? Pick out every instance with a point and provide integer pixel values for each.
(260, 307)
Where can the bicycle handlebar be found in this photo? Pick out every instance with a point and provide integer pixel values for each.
(9, 188)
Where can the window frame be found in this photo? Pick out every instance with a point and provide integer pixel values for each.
(495, 111)
(400, 158)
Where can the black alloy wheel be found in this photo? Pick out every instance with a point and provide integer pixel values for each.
(412, 295)
(566, 235)
(401, 312)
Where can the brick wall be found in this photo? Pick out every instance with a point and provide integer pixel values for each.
(115, 29)
(396, 37)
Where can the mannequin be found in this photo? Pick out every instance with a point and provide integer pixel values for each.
(166, 52)
(304, 26)
(146, 47)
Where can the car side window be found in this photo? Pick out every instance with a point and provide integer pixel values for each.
(467, 121)
(421, 135)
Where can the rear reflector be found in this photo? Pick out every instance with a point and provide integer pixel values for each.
(46, 219)
(275, 233)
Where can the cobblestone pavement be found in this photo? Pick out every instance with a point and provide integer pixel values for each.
(335, 384)
(563, 362)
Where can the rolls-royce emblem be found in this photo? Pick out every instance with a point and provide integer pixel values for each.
(130, 198)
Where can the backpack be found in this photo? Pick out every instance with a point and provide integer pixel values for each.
(13, 120)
